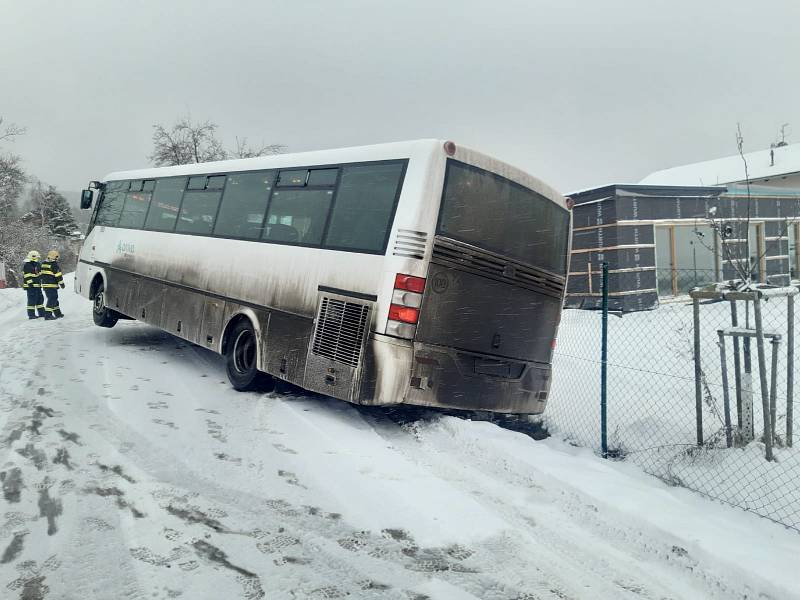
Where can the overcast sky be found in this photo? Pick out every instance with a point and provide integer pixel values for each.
(578, 93)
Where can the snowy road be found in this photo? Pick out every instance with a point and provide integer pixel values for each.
(130, 469)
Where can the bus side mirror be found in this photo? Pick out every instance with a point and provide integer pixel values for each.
(86, 199)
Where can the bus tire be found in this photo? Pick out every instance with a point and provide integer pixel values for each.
(102, 315)
(241, 360)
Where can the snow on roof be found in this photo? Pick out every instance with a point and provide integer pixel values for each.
(638, 189)
(731, 168)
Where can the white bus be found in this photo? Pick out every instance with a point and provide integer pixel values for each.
(416, 272)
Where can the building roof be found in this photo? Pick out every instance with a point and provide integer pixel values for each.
(731, 169)
(635, 189)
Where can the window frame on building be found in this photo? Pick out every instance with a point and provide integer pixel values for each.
(674, 267)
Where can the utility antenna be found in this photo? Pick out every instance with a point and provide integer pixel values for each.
(784, 132)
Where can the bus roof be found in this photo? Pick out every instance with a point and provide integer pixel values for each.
(389, 151)
(419, 149)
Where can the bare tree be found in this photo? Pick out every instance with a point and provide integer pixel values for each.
(10, 131)
(196, 142)
(186, 142)
(48, 227)
(19, 237)
(12, 182)
(12, 175)
(745, 259)
(245, 150)
(742, 262)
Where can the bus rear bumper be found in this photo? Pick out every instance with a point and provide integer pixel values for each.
(448, 378)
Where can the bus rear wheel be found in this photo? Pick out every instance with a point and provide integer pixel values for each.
(241, 360)
(102, 315)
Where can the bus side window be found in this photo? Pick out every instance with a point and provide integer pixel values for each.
(326, 177)
(244, 203)
(292, 178)
(97, 206)
(364, 206)
(297, 216)
(135, 209)
(198, 210)
(110, 208)
(164, 205)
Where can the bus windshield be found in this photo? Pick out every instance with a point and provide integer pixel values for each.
(493, 213)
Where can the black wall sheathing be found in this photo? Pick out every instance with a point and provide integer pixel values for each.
(625, 281)
(603, 237)
(627, 303)
(623, 258)
(780, 280)
(779, 247)
(596, 213)
(642, 209)
(777, 267)
(632, 290)
(775, 228)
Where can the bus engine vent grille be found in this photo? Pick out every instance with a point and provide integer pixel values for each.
(341, 326)
(410, 244)
(465, 256)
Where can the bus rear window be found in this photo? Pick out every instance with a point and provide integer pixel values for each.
(496, 214)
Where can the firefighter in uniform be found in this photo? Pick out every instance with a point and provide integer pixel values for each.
(51, 279)
(30, 282)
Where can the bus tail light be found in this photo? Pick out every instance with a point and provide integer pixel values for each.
(409, 283)
(406, 302)
(404, 314)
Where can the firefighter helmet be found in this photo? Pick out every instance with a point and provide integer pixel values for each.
(33, 256)
(53, 255)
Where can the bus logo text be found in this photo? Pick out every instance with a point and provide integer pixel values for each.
(440, 283)
(125, 248)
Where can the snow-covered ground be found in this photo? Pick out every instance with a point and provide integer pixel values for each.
(651, 402)
(130, 469)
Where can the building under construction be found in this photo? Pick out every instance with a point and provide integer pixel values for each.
(661, 241)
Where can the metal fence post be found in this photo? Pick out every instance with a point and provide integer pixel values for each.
(604, 365)
(762, 374)
(698, 388)
(737, 368)
(726, 402)
(789, 369)
(748, 423)
(773, 385)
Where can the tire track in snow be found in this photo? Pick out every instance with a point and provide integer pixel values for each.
(105, 441)
(35, 435)
(207, 526)
(577, 543)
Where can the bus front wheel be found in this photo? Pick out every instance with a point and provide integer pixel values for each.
(102, 315)
(241, 360)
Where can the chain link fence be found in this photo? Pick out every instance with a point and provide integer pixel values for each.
(651, 401)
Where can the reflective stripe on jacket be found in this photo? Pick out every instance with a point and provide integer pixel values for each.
(30, 275)
(51, 274)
